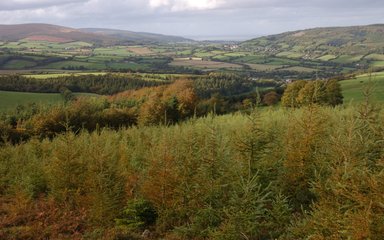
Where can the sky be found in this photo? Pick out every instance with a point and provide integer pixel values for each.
(198, 19)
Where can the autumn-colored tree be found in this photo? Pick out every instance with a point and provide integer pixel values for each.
(304, 93)
(271, 98)
(289, 98)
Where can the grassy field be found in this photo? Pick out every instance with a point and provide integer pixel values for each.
(299, 69)
(18, 64)
(327, 57)
(10, 100)
(138, 50)
(378, 64)
(348, 59)
(353, 88)
(203, 64)
(82, 56)
(290, 54)
(375, 57)
(263, 67)
(55, 75)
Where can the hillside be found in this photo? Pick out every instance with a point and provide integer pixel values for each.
(136, 36)
(304, 54)
(337, 44)
(49, 32)
(53, 33)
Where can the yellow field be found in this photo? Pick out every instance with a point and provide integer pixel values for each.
(142, 51)
(183, 62)
(264, 67)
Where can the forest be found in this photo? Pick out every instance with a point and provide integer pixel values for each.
(314, 172)
(177, 160)
(166, 103)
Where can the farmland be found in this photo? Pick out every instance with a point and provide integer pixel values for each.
(353, 89)
(10, 100)
(280, 59)
(201, 64)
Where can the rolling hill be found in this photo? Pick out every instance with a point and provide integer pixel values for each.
(53, 33)
(338, 44)
(49, 33)
(136, 36)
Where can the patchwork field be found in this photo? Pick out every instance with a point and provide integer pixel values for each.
(138, 50)
(264, 67)
(203, 64)
(54, 75)
(353, 88)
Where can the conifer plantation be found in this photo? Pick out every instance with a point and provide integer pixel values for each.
(314, 172)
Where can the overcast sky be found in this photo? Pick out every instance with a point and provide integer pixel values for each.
(210, 19)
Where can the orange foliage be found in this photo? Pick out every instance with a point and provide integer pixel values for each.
(161, 180)
(23, 218)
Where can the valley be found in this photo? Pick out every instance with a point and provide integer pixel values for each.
(116, 134)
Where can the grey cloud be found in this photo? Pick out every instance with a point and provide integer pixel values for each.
(236, 18)
(328, 4)
(9, 5)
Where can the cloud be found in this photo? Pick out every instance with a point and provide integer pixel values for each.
(158, 3)
(6, 5)
(185, 5)
(195, 17)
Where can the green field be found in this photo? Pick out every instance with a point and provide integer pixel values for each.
(347, 59)
(378, 64)
(353, 88)
(18, 64)
(327, 57)
(375, 57)
(55, 75)
(299, 69)
(299, 54)
(10, 100)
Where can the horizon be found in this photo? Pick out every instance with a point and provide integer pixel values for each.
(201, 19)
(224, 38)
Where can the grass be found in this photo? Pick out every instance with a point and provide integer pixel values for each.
(127, 65)
(77, 56)
(138, 50)
(76, 64)
(10, 100)
(113, 51)
(290, 54)
(203, 64)
(18, 64)
(264, 67)
(378, 64)
(327, 57)
(353, 88)
(375, 57)
(299, 69)
(348, 59)
(55, 75)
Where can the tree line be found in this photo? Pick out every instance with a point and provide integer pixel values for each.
(166, 104)
(105, 84)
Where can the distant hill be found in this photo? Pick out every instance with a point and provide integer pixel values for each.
(50, 33)
(142, 37)
(53, 33)
(328, 42)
